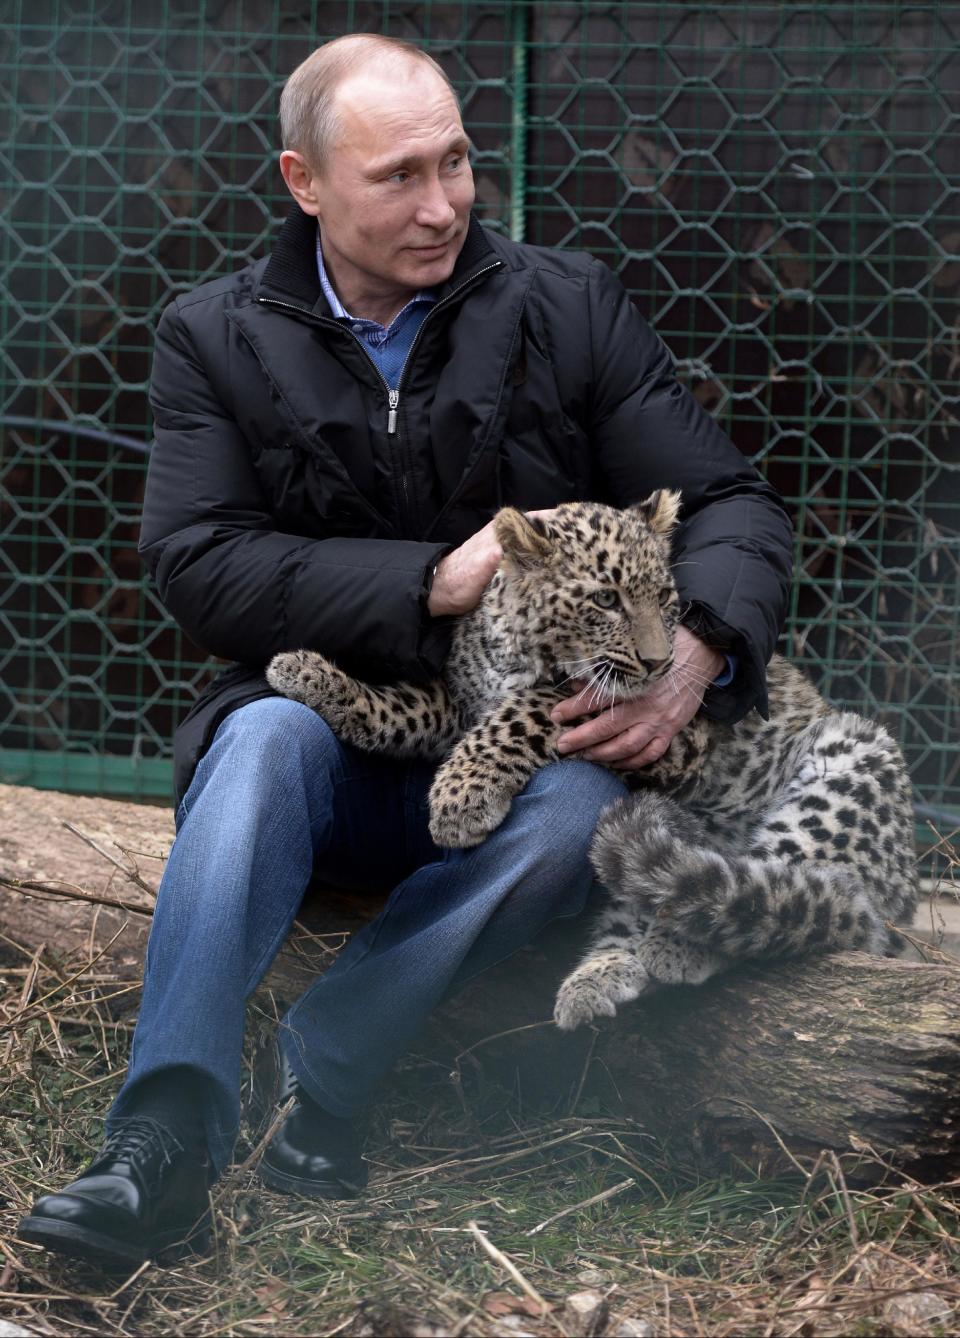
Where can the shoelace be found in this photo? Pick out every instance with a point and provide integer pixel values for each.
(135, 1135)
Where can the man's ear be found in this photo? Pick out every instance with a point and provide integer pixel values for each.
(660, 510)
(526, 541)
(300, 180)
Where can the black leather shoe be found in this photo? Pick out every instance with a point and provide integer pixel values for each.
(313, 1152)
(143, 1194)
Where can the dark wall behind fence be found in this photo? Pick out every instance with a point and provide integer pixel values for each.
(777, 184)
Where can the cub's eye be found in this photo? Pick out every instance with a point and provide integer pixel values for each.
(605, 599)
(666, 594)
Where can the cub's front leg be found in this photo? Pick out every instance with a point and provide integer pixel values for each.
(474, 788)
(607, 977)
(398, 719)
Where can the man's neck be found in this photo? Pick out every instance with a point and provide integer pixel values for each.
(359, 296)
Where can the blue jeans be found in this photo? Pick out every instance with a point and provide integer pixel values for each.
(276, 800)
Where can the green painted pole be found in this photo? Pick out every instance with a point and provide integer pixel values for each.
(518, 127)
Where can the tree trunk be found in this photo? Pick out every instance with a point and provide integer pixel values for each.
(830, 1053)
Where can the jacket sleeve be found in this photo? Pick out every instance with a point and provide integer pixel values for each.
(239, 587)
(733, 551)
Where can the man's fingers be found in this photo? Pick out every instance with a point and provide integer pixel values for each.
(607, 725)
(569, 709)
(627, 743)
(637, 761)
(585, 702)
(652, 753)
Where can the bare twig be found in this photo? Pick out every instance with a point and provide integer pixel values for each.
(132, 874)
(509, 1267)
(42, 891)
(586, 1203)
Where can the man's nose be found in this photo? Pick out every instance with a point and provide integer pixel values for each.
(434, 209)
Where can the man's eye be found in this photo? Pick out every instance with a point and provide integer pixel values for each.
(606, 599)
(400, 177)
(666, 594)
(454, 163)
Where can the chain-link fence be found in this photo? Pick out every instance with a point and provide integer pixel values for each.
(776, 184)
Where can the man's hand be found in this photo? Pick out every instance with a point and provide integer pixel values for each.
(638, 732)
(463, 575)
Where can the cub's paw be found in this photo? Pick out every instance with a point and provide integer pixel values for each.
(670, 960)
(596, 987)
(461, 815)
(308, 677)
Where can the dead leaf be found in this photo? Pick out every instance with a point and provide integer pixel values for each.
(272, 1298)
(816, 1295)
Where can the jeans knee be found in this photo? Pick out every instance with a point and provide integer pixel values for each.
(267, 748)
(571, 796)
(278, 732)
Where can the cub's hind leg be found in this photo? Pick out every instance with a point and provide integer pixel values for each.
(845, 814)
(617, 971)
(398, 719)
(609, 975)
(818, 874)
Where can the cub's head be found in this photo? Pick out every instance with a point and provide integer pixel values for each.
(591, 588)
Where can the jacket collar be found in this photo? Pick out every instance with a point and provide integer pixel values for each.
(291, 271)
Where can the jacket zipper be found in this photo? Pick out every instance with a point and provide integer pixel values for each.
(393, 396)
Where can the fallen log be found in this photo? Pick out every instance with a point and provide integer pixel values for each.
(763, 1065)
(766, 1064)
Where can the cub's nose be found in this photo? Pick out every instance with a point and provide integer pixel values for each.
(656, 666)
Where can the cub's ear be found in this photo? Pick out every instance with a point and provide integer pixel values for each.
(660, 510)
(526, 541)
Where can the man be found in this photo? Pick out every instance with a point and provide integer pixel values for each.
(335, 427)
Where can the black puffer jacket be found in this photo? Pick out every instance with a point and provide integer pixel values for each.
(282, 511)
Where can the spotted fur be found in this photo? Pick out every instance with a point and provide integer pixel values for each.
(771, 837)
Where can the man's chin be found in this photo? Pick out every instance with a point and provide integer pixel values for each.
(433, 265)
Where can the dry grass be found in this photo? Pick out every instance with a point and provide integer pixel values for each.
(476, 1223)
(482, 1217)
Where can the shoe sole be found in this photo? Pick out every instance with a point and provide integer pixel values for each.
(311, 1189)
(81, 1243)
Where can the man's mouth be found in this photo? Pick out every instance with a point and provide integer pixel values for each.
(434, 249)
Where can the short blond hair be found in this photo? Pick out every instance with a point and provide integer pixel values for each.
(308, 112)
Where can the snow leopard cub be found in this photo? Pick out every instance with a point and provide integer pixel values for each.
(769, 837)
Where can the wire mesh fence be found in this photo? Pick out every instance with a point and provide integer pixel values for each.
(777, 185)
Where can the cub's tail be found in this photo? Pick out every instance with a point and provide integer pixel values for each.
(654, 857)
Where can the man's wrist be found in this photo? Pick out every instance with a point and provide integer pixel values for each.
(720, 664)
(708, 659)
(438, 598)
(729, 671)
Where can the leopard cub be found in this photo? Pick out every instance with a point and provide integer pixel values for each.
(587, 595)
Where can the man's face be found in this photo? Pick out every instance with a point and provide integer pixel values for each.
(395, 193)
